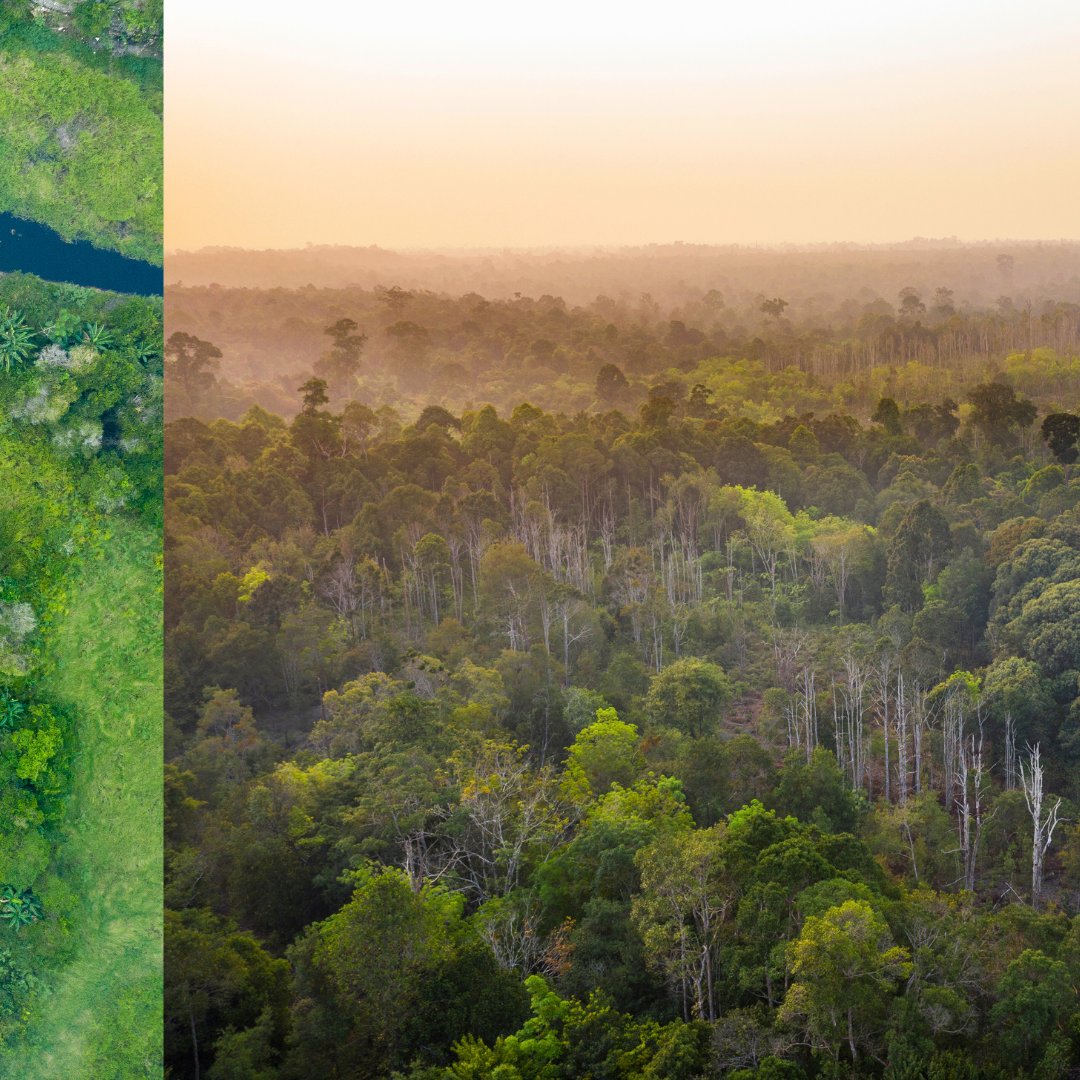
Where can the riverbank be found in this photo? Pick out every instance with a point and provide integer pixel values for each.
(30, 248)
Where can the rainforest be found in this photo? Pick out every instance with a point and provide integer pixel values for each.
(674, 685)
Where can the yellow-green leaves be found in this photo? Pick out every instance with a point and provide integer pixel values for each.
(845, 967)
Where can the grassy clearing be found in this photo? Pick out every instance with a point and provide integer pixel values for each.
(101, 1017)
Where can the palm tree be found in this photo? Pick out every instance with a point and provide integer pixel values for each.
(19, 907)
(147, 352)
(95, 334)
(11, 709)
(16, 340)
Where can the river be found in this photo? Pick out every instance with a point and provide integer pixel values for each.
(36, 249)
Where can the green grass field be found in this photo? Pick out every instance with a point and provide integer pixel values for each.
(101, 1017)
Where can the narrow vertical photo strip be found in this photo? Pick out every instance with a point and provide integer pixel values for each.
(622, 541)
(80, 539)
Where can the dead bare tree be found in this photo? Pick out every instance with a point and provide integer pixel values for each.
(851, 741)
(1010, 752)
(1042, 824)
(971, 805)
(901, 717)
(884, 675)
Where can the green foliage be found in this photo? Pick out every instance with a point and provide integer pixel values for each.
(82, 151)
(771, 1068)
(16, 340)
(33, 751)
(996, 411)
(96, 405)
(603, 754)
(689, 695)
(916, 552)
(1035, 996)
(377, 963)
(1062, 434)
(688, 887)
(580, 707)
(815, 791)
(1049, 625)
(100, 660)
(220, 982)
(845, 967)
(703, 709)
(572, 1038)
(19, 907)
(11, 710)
(17, 986)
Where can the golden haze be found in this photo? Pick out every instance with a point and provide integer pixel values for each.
(863, 133)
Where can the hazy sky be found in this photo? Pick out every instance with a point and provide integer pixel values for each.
(495, 124)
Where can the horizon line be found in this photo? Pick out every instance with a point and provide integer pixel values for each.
(585, 247)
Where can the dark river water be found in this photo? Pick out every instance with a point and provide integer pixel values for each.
(35, 249)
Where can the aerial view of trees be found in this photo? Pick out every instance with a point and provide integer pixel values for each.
(698, 708)
(81, 120)
(80, 468)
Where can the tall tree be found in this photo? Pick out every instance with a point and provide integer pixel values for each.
(687, 892)
(997, 412)
(690, 695)
(341, 364)
(1043, 822)
(915, 553)
(845, 968)
(192, 364)
(1061, 431)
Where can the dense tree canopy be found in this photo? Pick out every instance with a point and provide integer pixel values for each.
(693, 734)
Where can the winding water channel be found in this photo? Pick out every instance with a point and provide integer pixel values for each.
(36, 249)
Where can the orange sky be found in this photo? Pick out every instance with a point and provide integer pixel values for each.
(483, 124)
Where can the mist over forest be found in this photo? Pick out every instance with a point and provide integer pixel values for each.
(672, 273)
(462, 329)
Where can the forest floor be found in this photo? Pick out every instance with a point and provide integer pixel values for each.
(102, 1018)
